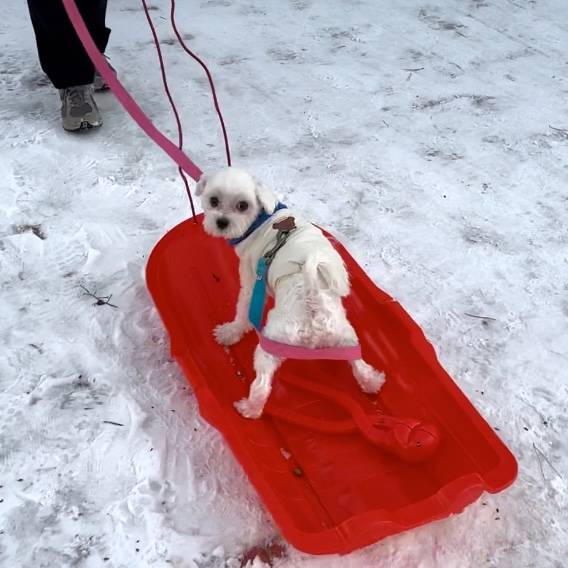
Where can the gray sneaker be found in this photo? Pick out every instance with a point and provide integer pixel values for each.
(79, 109)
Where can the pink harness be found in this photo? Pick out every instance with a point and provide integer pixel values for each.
(286, 351)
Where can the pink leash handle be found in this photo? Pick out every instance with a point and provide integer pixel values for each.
(123, 96)
(410, 439)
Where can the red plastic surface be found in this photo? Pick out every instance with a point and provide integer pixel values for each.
(329, 489)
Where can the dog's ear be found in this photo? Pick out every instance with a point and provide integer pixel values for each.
(265, 197)
(200, 187)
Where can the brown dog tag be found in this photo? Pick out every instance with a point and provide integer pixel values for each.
(285, 225)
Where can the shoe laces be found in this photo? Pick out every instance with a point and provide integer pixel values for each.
(76, 95)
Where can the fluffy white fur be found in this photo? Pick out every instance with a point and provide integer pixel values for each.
(307, 279)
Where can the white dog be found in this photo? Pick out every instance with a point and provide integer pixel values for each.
(307, 279)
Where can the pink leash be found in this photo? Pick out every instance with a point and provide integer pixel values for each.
(99, 61)
(275, 348)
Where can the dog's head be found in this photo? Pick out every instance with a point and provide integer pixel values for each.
(231, 200)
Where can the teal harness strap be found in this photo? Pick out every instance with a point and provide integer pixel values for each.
(256, 309)
(258, 299)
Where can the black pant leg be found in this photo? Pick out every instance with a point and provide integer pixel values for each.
(61, 54)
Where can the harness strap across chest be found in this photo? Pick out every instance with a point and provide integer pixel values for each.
(258, 300)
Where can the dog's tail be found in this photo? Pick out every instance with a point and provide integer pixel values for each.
(320, 271)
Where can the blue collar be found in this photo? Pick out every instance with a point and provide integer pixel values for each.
(262, 217)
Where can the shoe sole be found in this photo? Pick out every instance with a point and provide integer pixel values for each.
(84, 126)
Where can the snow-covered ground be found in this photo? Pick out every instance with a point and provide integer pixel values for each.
(432, 137)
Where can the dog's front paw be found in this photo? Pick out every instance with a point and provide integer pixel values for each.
(248, 409)
(370, 380)
(230, 333)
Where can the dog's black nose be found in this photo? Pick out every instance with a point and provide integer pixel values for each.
(222, 223)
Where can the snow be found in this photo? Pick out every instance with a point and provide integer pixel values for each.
(430, 137)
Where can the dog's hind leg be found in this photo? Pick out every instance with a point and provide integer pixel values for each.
(370, 380)
(265, 365)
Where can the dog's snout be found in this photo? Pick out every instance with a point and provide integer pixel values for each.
(222, 223)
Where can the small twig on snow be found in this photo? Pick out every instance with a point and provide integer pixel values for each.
(113, 423)
(540, 454)
(530, 405)
(100, 300)
(480, 317)
(410, 71)
(539, 459)
(562, 131)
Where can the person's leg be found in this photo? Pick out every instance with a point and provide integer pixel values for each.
(61, 54)
(64, 60)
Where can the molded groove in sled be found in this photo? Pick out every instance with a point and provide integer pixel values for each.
(329, 492)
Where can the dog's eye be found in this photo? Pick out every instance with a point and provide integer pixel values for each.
(242, 206)
(214, 202)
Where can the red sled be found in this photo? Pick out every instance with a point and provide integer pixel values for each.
(336, 468)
